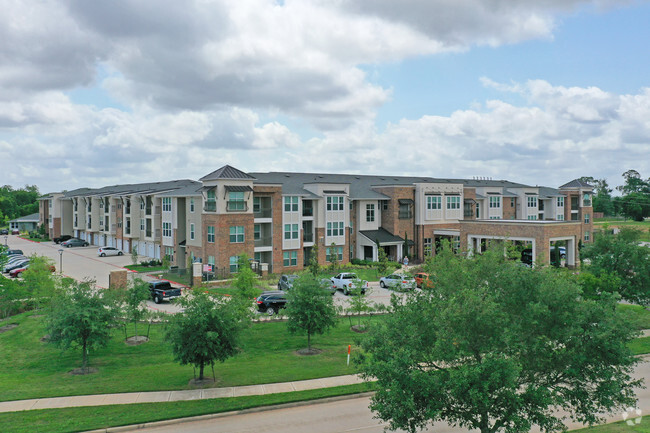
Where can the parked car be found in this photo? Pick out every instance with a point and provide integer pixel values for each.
(398, 282)
(327, 285)
(348, 281)
(15, 259)
(15, 265)
(270, 302)
(15, 232)
(4, 232)
(423, 279)
(74, 242)
(163, 290)
(61, 238)
(17, 273)
(108, 251)
(286, 282)
(14, 253)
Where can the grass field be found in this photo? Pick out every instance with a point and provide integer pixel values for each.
(642, 226)
(91, 418)
(637, 314)
(30, 368)
(619, 427)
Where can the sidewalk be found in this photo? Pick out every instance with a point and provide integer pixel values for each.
(161, 396)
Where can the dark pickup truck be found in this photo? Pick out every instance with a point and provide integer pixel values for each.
(161, 290)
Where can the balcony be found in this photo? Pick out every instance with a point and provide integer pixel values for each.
(210, 206)
(266, 241)
(307, 211)
(263, 212)
(308, 237)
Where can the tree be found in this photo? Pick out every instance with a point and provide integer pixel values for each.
(205, 332)
(40, 284)
(134, 254)
(635, 202)
(310, 308)
(134, 305)
(382, 260)
(81, 317)
(333, 257)
(621, 255)
(245, 281)
(314, 266)
(359, 303)
(498, 347)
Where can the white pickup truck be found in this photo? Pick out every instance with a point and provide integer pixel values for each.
(348, 281)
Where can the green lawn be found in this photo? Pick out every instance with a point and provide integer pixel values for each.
(91, 418)
(30, 368)
(619, 427)
(146, 269)
(636, 313)
(643, 226)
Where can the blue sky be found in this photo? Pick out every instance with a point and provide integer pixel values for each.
(148, 90)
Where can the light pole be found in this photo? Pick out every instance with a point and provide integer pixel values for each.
(61, 262)
(6, 240)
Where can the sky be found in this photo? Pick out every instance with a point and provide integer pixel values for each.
(128, 91)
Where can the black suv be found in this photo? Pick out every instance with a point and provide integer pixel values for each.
(286, 282)
(62, 238)
(4, 232)
(270, 302)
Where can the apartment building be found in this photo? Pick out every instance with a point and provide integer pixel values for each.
(278, 218)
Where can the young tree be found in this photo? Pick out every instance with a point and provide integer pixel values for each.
(382, 260)
(310, 308)
(134, 254)
(359, 304)
(621, 255)
(498, 347)
(314, 266)
(39, 282)
(81, 317)
(333, 257)
(245, 281)
(134, 306)
(205, 332)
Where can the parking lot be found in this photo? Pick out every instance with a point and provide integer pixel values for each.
(82, 263)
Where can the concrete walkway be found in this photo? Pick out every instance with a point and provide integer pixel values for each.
(161, 396)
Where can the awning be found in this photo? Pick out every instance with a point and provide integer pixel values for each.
(333, 192)
(384, 237)
(405, 201)
(238, 188)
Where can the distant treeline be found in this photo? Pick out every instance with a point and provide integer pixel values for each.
(15, 203)
(634, 202)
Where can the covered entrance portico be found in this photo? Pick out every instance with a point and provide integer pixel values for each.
(540, 235)
(369, 239)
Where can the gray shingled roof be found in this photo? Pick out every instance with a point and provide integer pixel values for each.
(576, 183)
(138, 188)
(26, 219)
(382, 235)
(227, 172)
(545, 192)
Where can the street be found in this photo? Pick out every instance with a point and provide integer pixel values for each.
(349, 415)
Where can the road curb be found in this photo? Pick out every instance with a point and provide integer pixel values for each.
(167, 422)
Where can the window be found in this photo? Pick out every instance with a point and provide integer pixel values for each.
(236, 201)
(384, 205)
(434, 202)
(532, 201)
(453, 202)
(211, 234)
(257, 232)
(512, 202)
(141, 204)
(586, 199)
(192, 205)
(335, 228)
(291, 231)
(586, 218)
(495, 201)
(169, 253)
(192, 231)
(167, 229)
(560, 202)
(370, 213)
(211, 202)
(142, 224)
(587, 236)
(211, 261)
(335, 203)
(455, 243)
(404, 211)
(495, 217)
(427, 247)
(291, 204)
(237, 234)
(290, 258)
(532, 217)
(560, 217)
(336, 250)
(257, 204)
(167, 204)
(234, 264)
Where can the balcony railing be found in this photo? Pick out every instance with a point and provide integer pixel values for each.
(266, 212)
(307, 211)
(264, 242)
(210, 206)
(307, 237)
(236, 206)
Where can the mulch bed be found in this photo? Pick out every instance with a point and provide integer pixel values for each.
(8, 327)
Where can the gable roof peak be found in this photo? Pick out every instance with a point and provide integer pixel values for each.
(227, 172)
